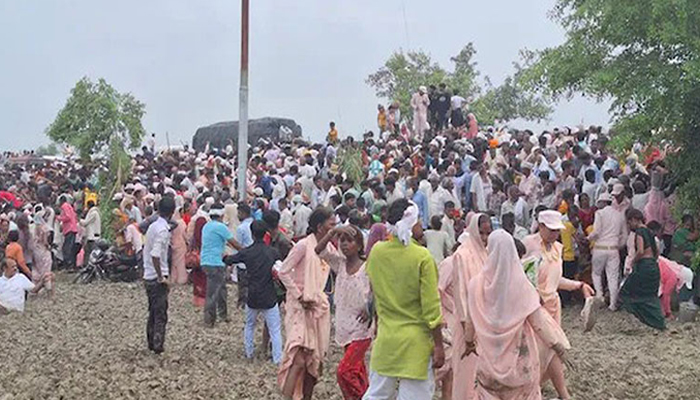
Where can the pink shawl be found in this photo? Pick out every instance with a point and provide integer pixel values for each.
(500, 300)
(467, 262)
(469, 258)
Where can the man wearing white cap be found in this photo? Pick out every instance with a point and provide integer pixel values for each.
(419, 103)
(609, 234)
(528, 183)
(544, 246)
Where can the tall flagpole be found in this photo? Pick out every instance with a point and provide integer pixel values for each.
(243, 105)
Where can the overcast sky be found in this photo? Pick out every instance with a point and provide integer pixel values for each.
(309, 58)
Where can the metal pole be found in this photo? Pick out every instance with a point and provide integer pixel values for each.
(243, 105)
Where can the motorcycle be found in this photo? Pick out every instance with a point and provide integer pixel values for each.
(106, 264)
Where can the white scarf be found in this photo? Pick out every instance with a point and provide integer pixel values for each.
(403, 229)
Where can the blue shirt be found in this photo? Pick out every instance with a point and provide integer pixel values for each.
(243, 235)
(422, 203)
(214, 237)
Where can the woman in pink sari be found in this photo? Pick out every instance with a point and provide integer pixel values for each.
(39, 243)
(468, 260)
(446, 288)
(178, 242)
(308, 320)
(514, 335)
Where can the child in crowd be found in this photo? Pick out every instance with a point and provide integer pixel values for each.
(569, 238)
(352, 316)
(586, 212)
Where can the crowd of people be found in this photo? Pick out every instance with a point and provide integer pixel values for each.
(451, 258)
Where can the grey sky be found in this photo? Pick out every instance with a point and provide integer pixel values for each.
(309, 58)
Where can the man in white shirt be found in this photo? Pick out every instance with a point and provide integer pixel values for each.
(92, 228)
(393, 192)
(641, 195)
(481, 190)
(437, 199)
(13, 287)
(516, 205)
(155, 274)
(306, 169)
(609, 233)
(300, 217)
(286, 218)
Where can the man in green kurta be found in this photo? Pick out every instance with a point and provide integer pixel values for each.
(404, 281)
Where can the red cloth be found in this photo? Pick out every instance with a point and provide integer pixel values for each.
(198, 226)
(352, 372)
(586, 217)
(199, 286)
(10, 198)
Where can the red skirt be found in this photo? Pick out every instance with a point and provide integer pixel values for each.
(352, 372)
(199, 286)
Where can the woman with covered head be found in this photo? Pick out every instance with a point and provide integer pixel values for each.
(514, 335)
(41, 271)
(308, 320)
(468, 261)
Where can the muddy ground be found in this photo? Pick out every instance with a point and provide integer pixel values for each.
(89, 343)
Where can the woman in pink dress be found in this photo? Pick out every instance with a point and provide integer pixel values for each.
(444, 375)
(352, 315)
(514, 334)
(178, 242)
(39, 242)
(469, 259)
(308, 320)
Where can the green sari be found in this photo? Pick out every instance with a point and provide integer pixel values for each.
(640, 293)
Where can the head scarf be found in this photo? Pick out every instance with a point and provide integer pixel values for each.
(474, 238)
(500, 300)
(403, 229)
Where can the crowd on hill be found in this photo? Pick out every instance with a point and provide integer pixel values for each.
(450, 253)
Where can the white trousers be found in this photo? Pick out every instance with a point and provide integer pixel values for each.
(608, 262)
(384, 387)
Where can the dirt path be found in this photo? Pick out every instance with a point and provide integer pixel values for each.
(89, 344)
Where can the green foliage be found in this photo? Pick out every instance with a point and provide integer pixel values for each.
(350, 163)
(94, 115)
(509, 101)
(403, 73)
(109, 183)
(98, 119)
(49, 150)
(644, 56)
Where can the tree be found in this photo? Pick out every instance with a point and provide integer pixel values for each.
(403, 73)
(510, 101)
(94, 115)
(49, 150)
(99, 120)
(645, 57)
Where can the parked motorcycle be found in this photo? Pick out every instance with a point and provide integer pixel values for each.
(105, 263)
